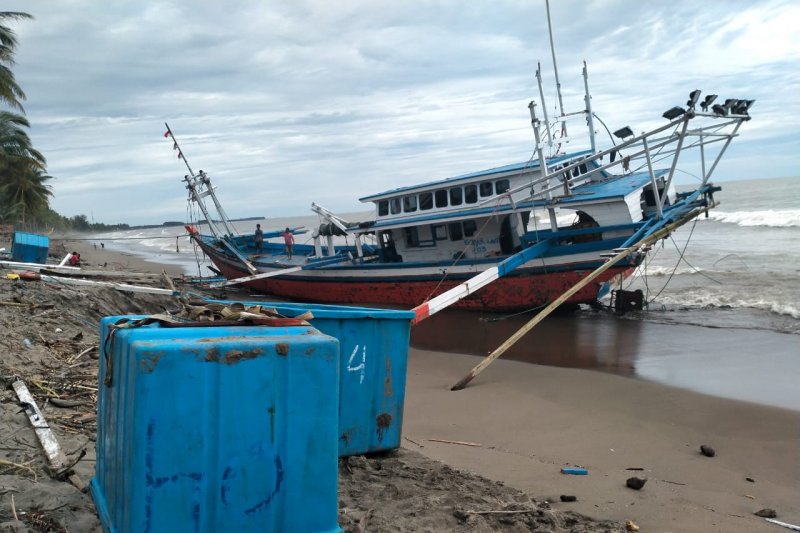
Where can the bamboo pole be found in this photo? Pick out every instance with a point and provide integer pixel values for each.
(663, 232)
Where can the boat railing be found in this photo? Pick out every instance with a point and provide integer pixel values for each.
(645, 149)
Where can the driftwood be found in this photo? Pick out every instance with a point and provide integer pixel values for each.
(55, 456)
(459, 442)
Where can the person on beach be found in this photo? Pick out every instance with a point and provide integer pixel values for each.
(288, 239)
(75, 259)
(259, 239)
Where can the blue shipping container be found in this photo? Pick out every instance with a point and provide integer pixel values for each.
(217, 429)
(372, 370)
(29, 247)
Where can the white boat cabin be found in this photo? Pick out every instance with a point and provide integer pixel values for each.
(485, 214)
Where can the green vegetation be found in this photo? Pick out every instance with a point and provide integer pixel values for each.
(24, 190)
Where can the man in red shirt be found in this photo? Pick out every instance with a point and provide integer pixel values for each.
(288, 239)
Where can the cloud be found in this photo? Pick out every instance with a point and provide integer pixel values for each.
(285, 103)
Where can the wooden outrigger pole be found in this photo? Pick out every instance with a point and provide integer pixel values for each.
(655, 236)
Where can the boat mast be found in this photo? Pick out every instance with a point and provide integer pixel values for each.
(589, 114)
(544, 106)
(202, 179)
(193, 183)
(555, 71)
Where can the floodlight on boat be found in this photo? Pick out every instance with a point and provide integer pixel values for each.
(623, 133)
(694, 96)
(742, 106)
(675, 112)
(730, 103)
(719, 110)
(707, 101)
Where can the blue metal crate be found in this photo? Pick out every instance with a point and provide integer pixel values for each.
(372, 370)
(29, 247)
(217, 429)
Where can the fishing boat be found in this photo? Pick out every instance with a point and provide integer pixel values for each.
(510, 238)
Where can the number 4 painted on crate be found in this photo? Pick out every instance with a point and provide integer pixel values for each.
(358, 368)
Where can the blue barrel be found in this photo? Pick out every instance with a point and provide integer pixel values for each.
(372, 370)
(217, 429)
(29, 247)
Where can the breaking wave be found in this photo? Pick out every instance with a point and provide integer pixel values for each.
(658, 271)
(707, 300)
(771, 218)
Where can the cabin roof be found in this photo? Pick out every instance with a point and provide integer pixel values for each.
(473, 175)
(619, 186)
(611, 189)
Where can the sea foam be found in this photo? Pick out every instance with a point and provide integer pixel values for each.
(773, 218)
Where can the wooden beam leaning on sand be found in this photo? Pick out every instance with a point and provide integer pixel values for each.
(663, 232)
(55, 456)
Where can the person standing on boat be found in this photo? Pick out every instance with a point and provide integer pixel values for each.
(288, 239)
(259, 239)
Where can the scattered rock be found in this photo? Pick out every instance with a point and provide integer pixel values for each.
(630, 526)
(708, 451)
(568, 498)
(766, 513)
(635, 483)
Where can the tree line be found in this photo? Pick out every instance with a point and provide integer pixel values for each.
(24, 189)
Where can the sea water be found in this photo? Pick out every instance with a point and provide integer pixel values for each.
(723, 294)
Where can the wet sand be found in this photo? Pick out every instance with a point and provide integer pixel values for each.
(531, 420)
(754, 365)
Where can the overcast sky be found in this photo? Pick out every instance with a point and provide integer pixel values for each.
(285, 103)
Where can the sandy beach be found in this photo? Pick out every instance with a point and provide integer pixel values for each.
(526, 422)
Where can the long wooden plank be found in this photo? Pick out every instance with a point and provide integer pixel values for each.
(663, 232)
(55, 456)
(310, 266)
(263, 275)
(124, 287)
(36, 267)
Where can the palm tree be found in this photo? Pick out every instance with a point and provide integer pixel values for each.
(23, 187)
(26, 191)
(10, 92)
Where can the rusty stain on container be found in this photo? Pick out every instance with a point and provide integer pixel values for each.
(212, 355)
(236, 356)
(282, 348)
(388, 392)
(149, 364)
(384, 420)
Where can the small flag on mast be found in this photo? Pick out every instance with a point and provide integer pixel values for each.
(167, 133)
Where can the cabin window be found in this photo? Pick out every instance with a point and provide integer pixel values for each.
(439, 232)
(425, 201)
(409, 204)
(456, 196)
(455, 231)
(383, 208)
(470, 227)
(486, 188)
(583, 168)
(412, 237)
(394, 203)
(441, 198)
(501, 186)
(471, 194)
